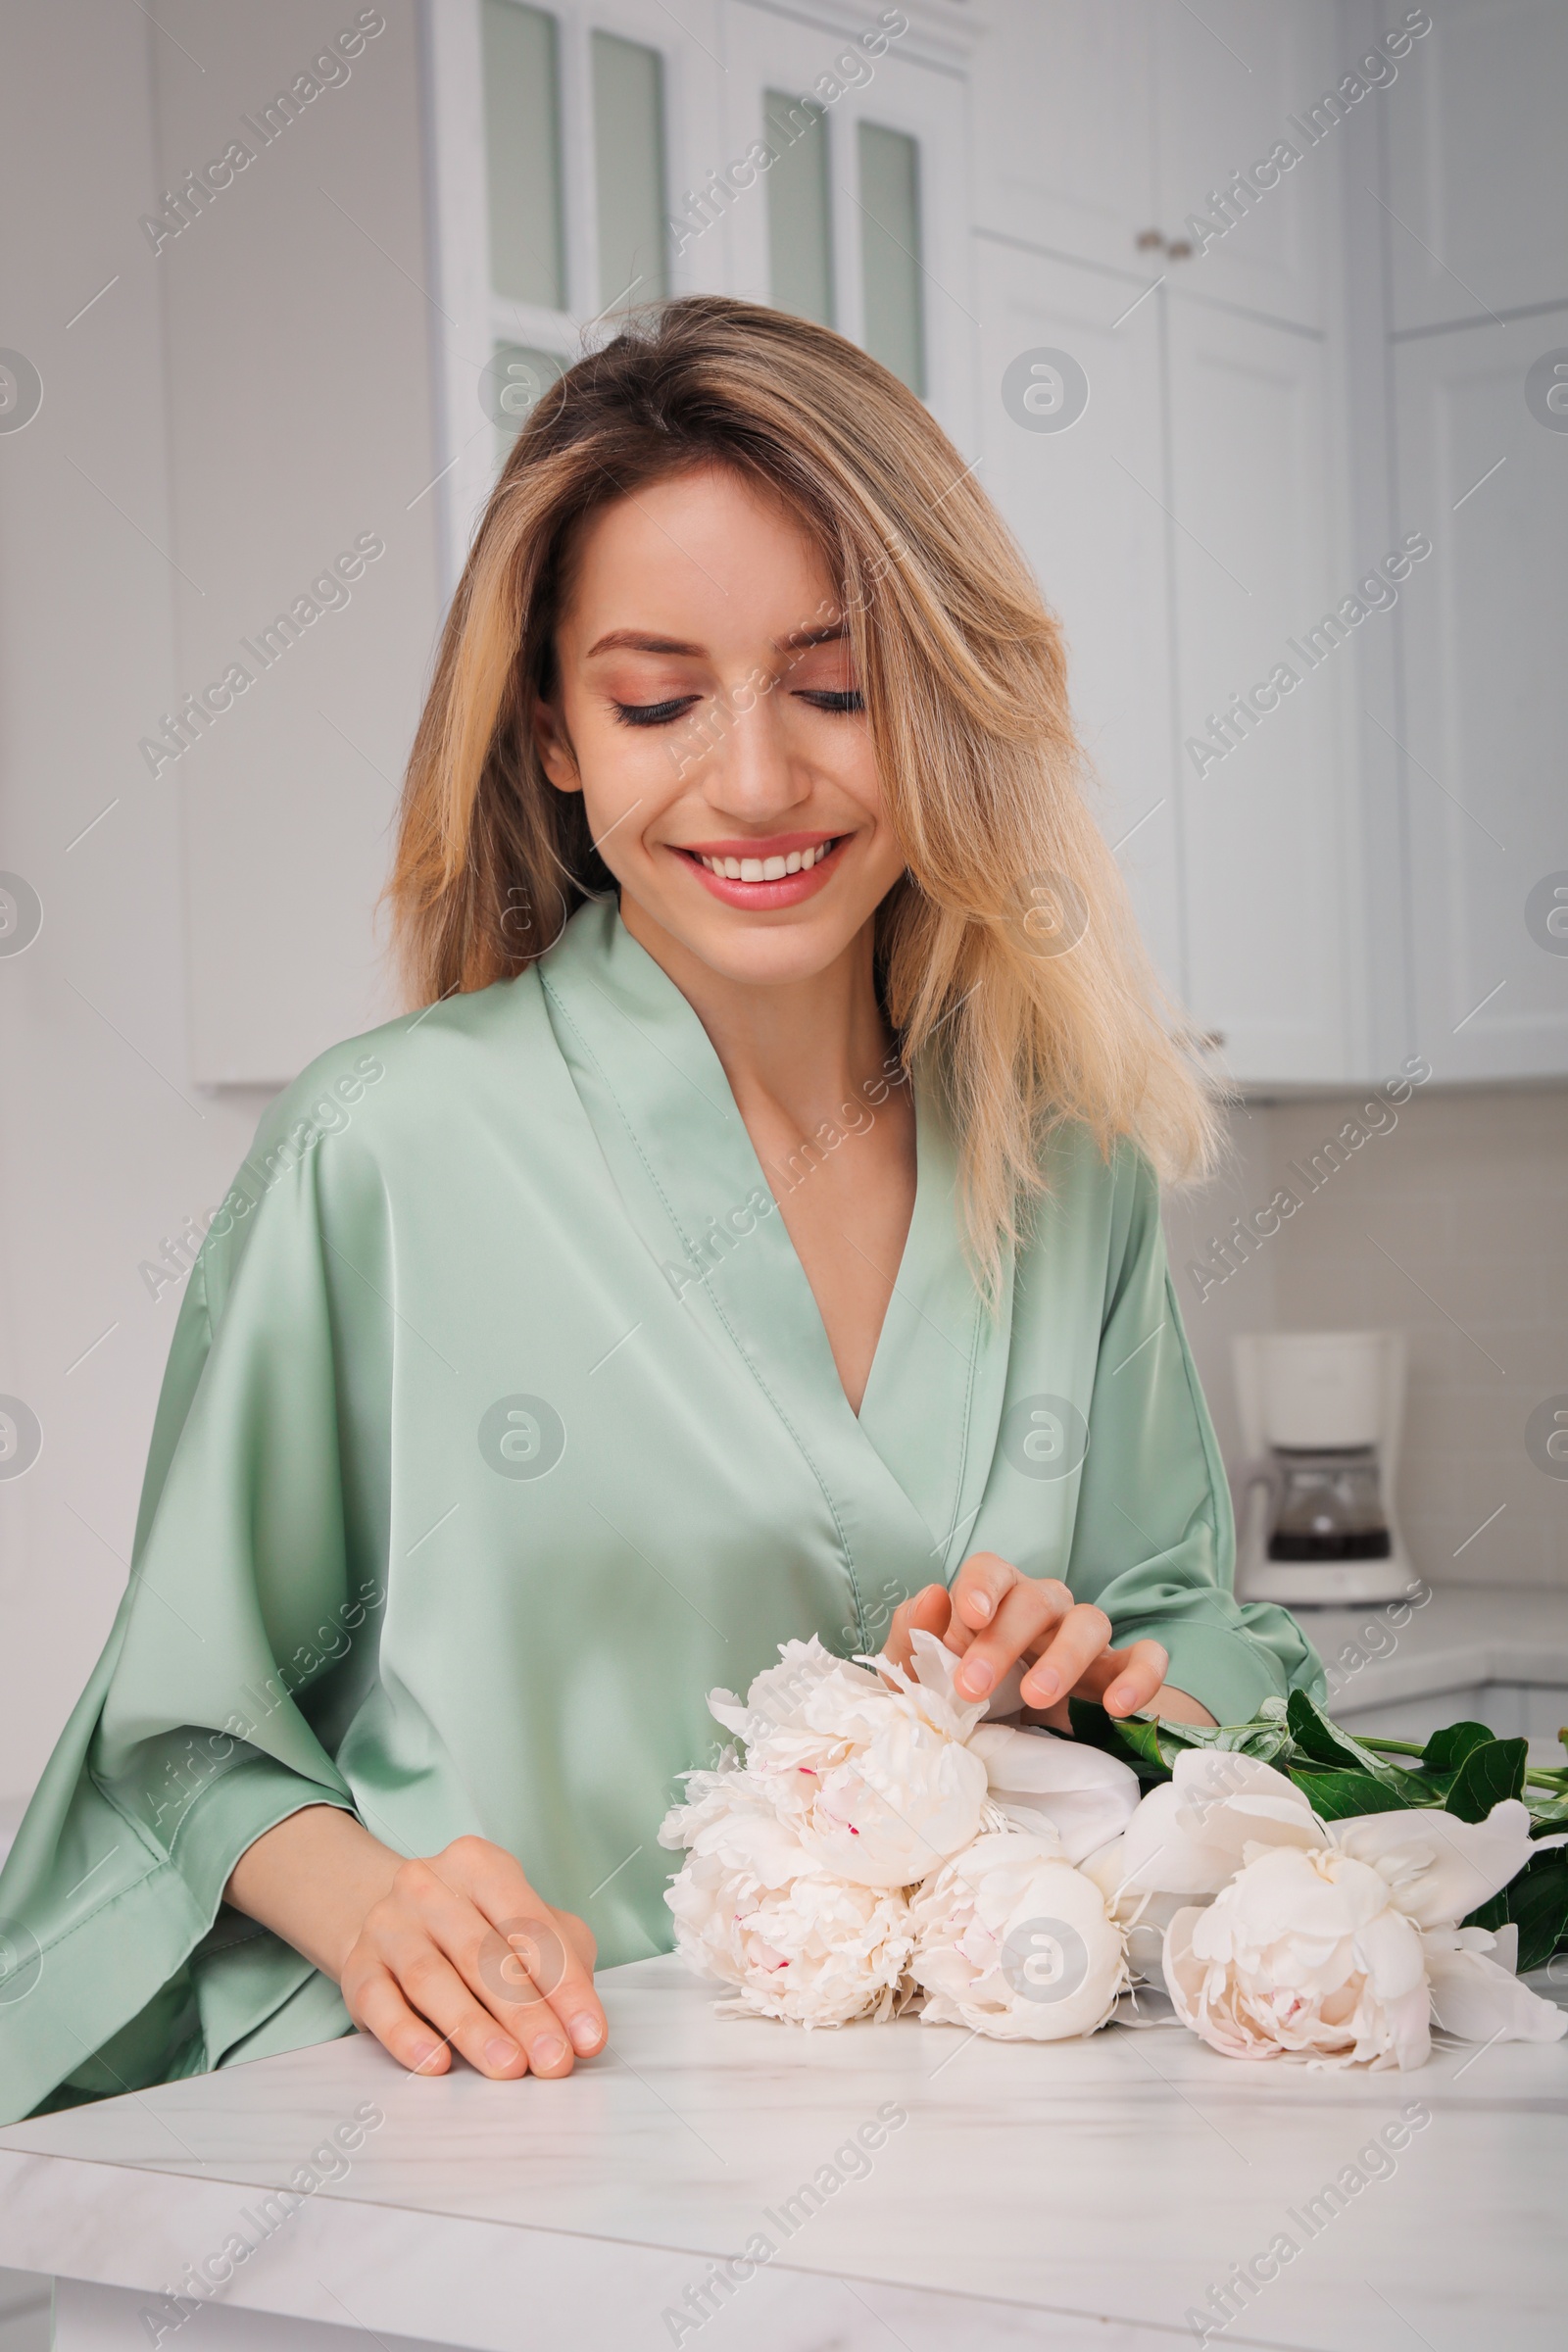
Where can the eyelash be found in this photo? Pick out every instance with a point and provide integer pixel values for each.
(663, 715)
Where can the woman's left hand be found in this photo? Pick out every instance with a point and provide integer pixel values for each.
(994, 1618)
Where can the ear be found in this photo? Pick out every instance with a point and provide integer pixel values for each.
(554, 746)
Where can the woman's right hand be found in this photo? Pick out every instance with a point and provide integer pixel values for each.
(450, 1951)
(460, 1943)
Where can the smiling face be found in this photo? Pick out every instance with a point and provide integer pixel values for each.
(707, 708)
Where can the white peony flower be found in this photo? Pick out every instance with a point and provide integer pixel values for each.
(1040, 1781)
(752, 1910)
(1334, 1941)
(1303, 1955)
(1012, 1941)
(874, 1778)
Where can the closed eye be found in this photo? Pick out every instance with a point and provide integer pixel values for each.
(821, 699)
(654, 715)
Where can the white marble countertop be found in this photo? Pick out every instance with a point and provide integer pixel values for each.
(1044, 2195)
(1460, 1635)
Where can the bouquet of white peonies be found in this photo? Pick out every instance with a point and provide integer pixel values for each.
(874, 1844)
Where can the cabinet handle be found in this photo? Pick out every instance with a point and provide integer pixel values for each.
(1179, 249)
(1148, 241)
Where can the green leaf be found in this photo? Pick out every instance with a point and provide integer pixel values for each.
(1096, 1728)
(1141, 1733)
(1537, 1901)
(1336, 1795)
(1446, 1750)
(1489, 1773)
(1323, 1742)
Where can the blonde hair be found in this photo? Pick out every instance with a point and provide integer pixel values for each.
(1007, 957)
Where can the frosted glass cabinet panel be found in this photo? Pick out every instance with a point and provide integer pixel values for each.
(800, 208)
(890, 250)
(629, 160)
(523, 150)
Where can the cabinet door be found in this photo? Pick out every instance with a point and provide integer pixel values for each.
(1088, 506)
(895, 90)
(1478, 179)
(1228, 82)
(1063, 94)
(1484, 623)
(1271, 889)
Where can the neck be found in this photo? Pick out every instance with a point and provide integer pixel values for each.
(802, 1046)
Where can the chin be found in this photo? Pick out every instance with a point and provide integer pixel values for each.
(742, 950)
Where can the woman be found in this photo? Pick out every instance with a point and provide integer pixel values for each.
(754, 1235)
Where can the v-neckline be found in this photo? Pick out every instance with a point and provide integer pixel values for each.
(689, 1174)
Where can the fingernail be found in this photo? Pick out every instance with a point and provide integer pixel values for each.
(424, 2052)
(975, 1680)
(501, 2053)
(547, 2051)
(1044, 1685)
(1121, 1696)
(980, 1603)
(586, 2034)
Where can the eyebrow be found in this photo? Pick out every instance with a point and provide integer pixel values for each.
(641, 641)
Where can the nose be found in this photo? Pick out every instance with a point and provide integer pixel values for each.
(748, 772)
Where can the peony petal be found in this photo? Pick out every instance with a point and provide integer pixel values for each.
(1440, 1868)
(1476, 2000)
(1088, 1794)
(1012, 1941)
(1226, 1802)
(1389, 1948)
(1160, 1854)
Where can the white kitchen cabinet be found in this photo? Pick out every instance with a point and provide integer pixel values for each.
(1484, 623)
(296, 434)
(1271, 880)
(1066, 161)
(1230, 88)
(1478, 179)
(1087, 505)
(1110, 124)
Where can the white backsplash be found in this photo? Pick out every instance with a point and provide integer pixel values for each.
(1451, 1225)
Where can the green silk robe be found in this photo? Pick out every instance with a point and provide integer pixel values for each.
(499, 1425)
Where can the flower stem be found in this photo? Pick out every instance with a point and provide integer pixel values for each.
(1542, 1777)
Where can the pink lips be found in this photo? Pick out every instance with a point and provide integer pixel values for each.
(764, 893)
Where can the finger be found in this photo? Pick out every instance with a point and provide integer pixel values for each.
(1083, 1635)
(378, 2007)
(927, 1612)
(980, 1588)
(433, 1986)
(534, 1977)
(1029, 1611)
(1125, 1680)
(521, 1963)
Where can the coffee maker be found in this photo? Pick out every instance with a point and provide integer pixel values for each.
(1321, 1413)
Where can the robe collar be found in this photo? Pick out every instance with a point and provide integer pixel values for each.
(906, 1476)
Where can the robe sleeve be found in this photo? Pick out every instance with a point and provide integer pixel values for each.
(1154, 1543)
(238, 1656)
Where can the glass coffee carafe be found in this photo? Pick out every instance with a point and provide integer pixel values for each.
(1325, 1503)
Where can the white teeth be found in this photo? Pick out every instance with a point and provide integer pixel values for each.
(766, 869)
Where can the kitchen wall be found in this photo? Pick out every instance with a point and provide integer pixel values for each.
(1448, 1226)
